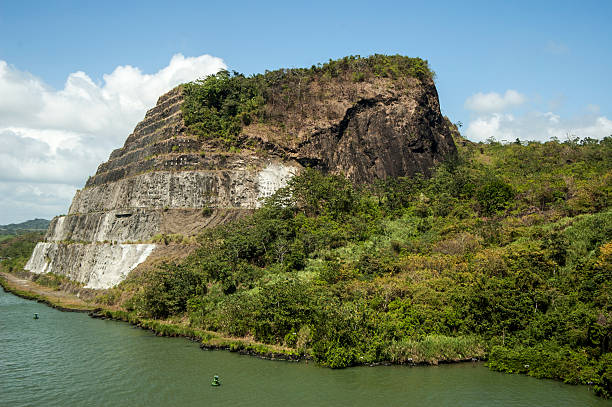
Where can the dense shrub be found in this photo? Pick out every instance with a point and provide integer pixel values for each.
(494, 196)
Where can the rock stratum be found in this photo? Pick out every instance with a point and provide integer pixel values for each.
(170, 177)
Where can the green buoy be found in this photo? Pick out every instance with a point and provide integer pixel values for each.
(216, 381)
(36, 315)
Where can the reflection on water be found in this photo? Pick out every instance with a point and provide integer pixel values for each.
(69, 359)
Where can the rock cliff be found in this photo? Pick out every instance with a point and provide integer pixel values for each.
(171, 178)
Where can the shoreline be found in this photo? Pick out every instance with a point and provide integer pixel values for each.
(208, 340)
(35, 292)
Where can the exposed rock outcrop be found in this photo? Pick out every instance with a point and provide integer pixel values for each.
(165, 180)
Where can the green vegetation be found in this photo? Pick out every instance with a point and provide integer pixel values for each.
(505, 253)
(16, 250)
(8, 232)
(218, 107)
(171, 238)
(208, 339)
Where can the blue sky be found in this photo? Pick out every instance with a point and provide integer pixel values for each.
(548, 50)
(528, 69)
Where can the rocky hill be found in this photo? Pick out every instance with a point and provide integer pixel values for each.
(211, 150)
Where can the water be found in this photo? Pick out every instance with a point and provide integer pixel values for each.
(69, 359)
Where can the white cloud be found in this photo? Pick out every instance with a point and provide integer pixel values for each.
(537, 126)
(22, 201)
(58, 137)
(493, 102)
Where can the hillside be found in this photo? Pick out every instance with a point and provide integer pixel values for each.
(11, 230)
(34, 224)
(503, 253)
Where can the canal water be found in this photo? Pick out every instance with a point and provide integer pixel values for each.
(69, 359)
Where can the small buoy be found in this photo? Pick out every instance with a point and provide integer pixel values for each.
(36, 315)
(215, 381)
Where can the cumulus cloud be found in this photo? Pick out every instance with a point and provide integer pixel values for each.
(496, 116)
(537, 126)
(54, 138)
(493, 102)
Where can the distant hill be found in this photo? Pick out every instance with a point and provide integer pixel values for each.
(34, 224)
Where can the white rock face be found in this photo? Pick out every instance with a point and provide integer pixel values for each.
(95, 265)
(112, 226)
(134, 209)
(272, 178)
(238, 188)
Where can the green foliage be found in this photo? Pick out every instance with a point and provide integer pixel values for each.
(207, 211)
(218, 106)
(505, 252)
(603, 381)
(546, 360)
(176, 238)
(166, 291)
(434, 348)
(390, 66)
(15, 251)
(494, 196)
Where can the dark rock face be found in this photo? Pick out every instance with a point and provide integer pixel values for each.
(380, 138)
(368, 131)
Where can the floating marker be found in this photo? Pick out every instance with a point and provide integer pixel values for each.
(36, 315)
(216, 381)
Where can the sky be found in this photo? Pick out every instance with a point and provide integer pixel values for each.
(77, 76)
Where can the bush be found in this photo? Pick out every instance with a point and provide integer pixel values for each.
(494, 196)
(166, 291)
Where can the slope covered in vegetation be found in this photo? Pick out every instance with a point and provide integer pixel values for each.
(504, 253)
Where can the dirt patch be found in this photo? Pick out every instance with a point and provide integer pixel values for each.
(164, 253)
(56, 298)
(190, 222)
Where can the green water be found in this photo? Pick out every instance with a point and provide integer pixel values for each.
(69, 359)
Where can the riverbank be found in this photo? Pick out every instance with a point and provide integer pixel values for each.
(208, 340)
(29, 290)
(43, 365)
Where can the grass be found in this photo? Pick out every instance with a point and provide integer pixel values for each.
(50, 300)
(434, 349)
(208, 339)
